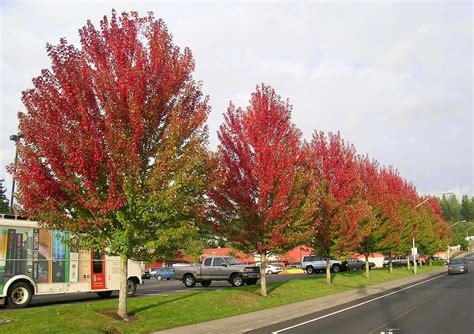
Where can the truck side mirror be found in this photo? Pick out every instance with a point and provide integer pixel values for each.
(224, 265)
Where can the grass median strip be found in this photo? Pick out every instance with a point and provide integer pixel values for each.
(161, 312)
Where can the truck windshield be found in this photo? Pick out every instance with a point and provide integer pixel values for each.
(231, 260)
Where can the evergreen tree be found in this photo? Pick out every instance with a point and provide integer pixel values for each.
(467, 208)
(4, 202)
(451, 208)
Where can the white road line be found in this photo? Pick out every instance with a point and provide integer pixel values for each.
(354, 306)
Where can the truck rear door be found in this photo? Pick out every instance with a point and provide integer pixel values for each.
(206, 268)
(219, 268)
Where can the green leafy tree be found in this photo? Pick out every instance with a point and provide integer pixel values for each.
(4, 202)
(194, 248)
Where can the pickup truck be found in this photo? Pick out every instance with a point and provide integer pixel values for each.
(355, 264)
(313, 264)
(400, 261)
(218, 268)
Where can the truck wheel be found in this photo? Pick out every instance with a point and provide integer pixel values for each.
(131, 287)
(309, 270)
(269, 272)
(189, 281)
(159, 278)
(19, 295)
(336, 268)
(251, 281)
(206, 283)
(237, 280)
(104, 294)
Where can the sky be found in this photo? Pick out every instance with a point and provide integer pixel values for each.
(395, 78)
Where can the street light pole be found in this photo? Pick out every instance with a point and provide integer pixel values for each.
(16, 138)
(467, 234)
(414, 251)
(461, 221)
(449, 247)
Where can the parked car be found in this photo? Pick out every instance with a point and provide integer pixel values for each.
(314, 264)
(293, 266)
(164, 273)
(402, 260)
(146, 274)
(218, 268)
(271, 269)
(153, 271)
(396, 261)
(458, 266)
(355, 264)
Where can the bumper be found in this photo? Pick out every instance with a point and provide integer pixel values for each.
(246, 275)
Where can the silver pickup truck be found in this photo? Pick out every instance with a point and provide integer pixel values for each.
(218, 268)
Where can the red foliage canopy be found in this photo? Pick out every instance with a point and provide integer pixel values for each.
(337, 218)
(259, 155)
(97, 119)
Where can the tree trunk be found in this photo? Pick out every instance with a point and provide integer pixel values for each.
(328, 271)
(367, 267)
(390, 264)
(408, 262)
(421, 261)
(122, 307)
(263, 277)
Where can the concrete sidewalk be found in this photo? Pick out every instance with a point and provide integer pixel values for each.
(249, 321)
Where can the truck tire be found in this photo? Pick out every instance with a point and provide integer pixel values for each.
(310, 270)
(159, 278)
(131, 287)
(206, 283)
(336, 268)
(269, 272)
(104, 294)
(189, 281)
(236, 280)
(19, 295)
(251, 281)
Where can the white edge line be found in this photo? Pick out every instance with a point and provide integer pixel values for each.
(354, 306)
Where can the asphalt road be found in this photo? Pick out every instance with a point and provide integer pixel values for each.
(150, 287)
(443, 304)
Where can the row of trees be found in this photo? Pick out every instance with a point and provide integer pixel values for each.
(277, 191)
(115, 150)
(454, 211)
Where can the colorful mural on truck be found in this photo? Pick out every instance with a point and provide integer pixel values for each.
(40, 254)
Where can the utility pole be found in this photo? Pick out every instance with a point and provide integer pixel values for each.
(16, 138)
(414, 257)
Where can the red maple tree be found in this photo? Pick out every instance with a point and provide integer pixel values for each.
(114, 141)
(256, 203)
(332, 227)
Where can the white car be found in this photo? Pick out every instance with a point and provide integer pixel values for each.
(271, 269)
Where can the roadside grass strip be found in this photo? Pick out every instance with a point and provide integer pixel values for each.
(153, 313)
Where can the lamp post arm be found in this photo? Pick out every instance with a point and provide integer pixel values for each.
(426, 200)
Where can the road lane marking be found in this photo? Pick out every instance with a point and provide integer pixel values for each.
(354, 306)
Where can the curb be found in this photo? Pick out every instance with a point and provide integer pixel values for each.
(254, 320)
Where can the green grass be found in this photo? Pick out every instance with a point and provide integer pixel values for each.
(161, 312)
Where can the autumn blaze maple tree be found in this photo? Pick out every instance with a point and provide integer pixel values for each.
(332, 228)
(114, 146)
(256, 203)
